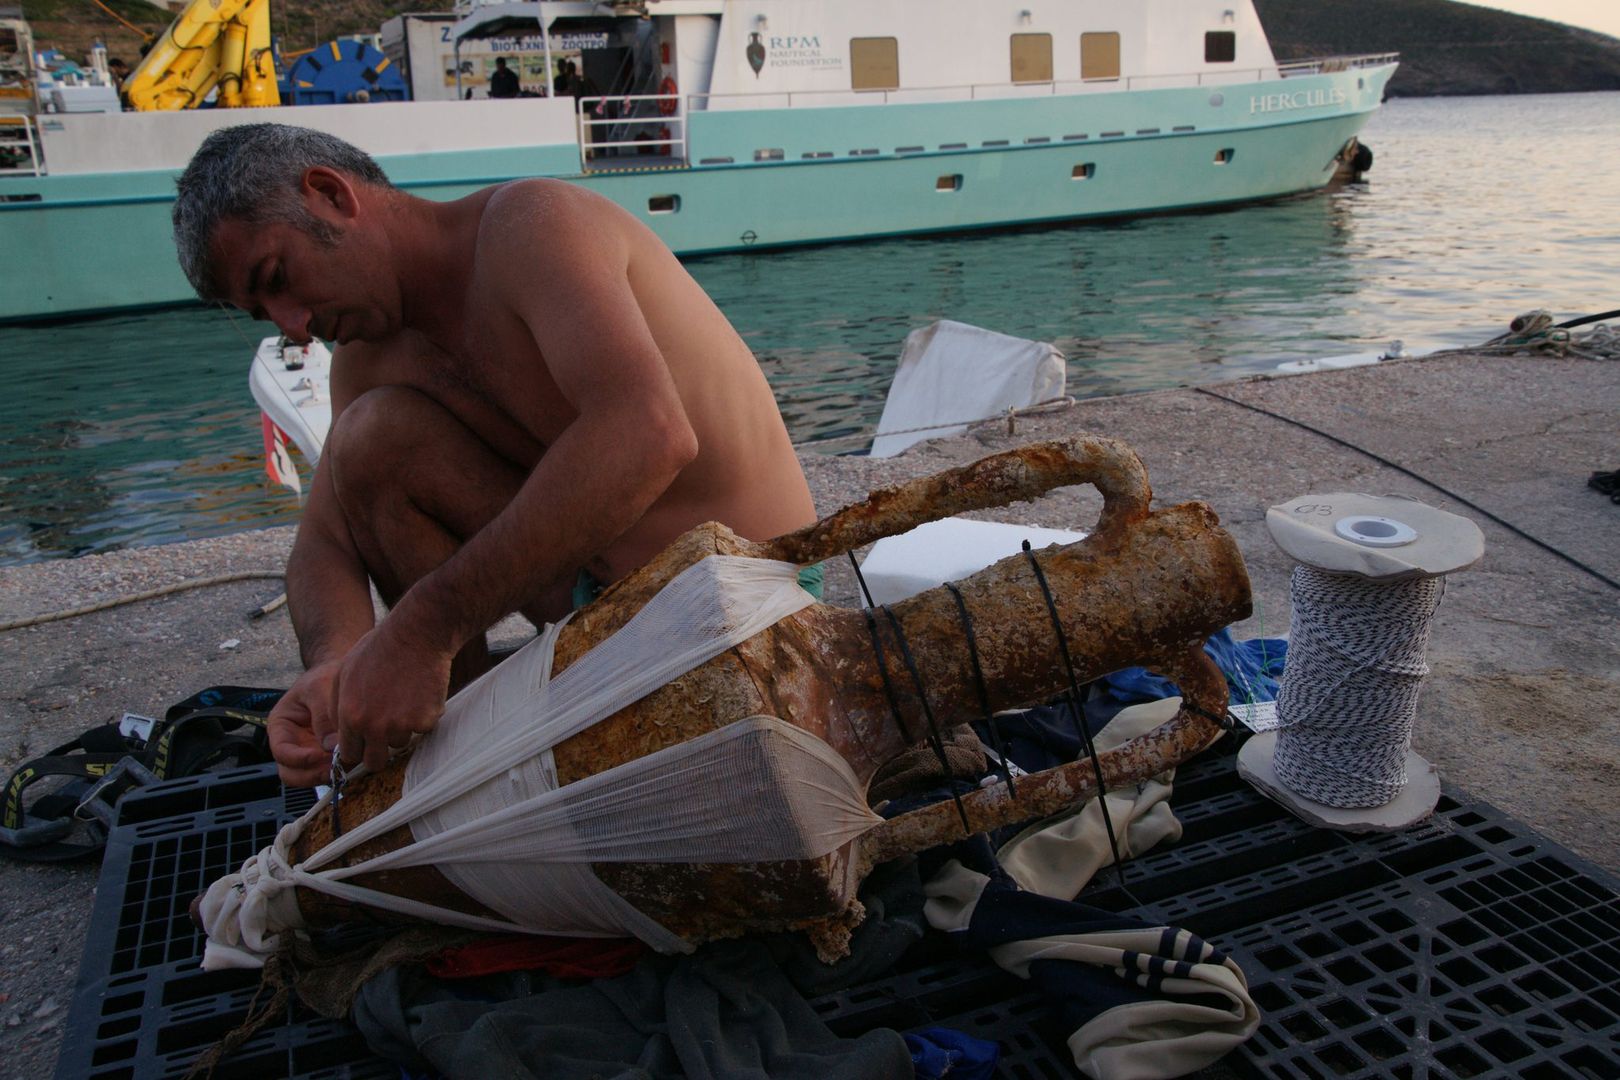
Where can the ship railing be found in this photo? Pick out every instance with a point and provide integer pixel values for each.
(623, 120)
(1328, 64)
(789, 99)
(19, 146)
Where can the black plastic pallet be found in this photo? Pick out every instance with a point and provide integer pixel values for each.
(1465, 947)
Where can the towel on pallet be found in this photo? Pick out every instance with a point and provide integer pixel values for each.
(1140, 1001)
(730, 1009)
(724, 1012)
(1058, 856)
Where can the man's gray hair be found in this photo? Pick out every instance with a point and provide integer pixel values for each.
(252, 172)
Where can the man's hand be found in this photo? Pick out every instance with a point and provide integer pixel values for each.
(295, 726)
(391, 686)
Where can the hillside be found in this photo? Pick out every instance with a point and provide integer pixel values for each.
(1447, 47)
(74, 25)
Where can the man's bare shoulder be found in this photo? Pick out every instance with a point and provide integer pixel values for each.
(550, 222)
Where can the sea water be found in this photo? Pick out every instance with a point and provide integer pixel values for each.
(139, 429)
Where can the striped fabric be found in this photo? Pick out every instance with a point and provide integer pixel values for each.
(1140, 1001)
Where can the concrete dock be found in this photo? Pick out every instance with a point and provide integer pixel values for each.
(1525, 652)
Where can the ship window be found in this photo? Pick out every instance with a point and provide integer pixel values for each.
(874, 63)
(1223, 156)
(1083, 172)
(1031, 58)
(1099, 56)
(8, 41)
(663, 204)
(1220, 47)
(952, 182)
(771, 154)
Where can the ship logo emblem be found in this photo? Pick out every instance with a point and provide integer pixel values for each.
(756, 53)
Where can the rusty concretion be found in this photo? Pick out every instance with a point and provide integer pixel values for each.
(1145, 588)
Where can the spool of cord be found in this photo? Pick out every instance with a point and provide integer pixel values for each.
(1349, 690)
(1369, 581)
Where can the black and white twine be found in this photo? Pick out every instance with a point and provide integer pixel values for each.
(1350, 685)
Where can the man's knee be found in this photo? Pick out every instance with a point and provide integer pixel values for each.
(394, 447)
(375, 437)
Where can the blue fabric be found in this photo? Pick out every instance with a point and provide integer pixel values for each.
(1252, 669)
(937, 1053)
(1045, 736)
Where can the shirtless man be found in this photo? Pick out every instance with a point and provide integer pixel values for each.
(528, 386)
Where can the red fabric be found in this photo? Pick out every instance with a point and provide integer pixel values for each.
(568, 958)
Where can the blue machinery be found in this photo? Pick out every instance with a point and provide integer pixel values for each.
(342, 72)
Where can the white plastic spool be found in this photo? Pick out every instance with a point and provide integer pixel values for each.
(1374, 538)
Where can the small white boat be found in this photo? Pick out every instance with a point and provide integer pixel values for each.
(290, 383)
(949, 375)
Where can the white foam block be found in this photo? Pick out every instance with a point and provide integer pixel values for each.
(947, 550)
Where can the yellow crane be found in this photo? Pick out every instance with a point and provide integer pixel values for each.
(224, 43)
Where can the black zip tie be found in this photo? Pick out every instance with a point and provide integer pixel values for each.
(928, 714)
(1227, 722)
(984, 693)
(860, 577)
(877, 647)
(1074, 705)
(883, 670)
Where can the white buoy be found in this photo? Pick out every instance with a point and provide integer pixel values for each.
(1370, 576)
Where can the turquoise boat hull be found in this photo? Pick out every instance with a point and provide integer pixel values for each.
(765, 178)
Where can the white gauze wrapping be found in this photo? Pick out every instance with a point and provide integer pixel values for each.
(481, 799)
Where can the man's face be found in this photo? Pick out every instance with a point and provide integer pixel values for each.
(308, 286)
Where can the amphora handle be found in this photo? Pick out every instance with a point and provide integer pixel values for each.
(1011, 476)
(1052, 791)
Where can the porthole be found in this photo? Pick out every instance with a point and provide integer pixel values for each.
(664, 204)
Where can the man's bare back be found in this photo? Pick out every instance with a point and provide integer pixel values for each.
(494, 379)
(528, 385)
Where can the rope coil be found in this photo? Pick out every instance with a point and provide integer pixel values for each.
(1350, 685)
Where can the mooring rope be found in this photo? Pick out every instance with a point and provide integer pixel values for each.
(1350, 684)
(152, 594)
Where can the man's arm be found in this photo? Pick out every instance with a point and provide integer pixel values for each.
(329, 598)
(328, 592)
(628, 442)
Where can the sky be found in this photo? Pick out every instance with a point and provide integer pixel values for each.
(1600, 15)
